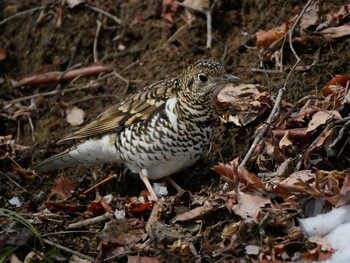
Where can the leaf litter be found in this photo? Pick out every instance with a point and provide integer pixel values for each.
(299, 168)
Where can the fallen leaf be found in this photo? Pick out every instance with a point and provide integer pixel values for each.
(266, 38)
(274, 152)
(243, 102)
(311, 18)
(285, 141)
(62, 187)
(343, 198)
(198, 4)
(233, 172)
(195, 213)
(320, 118)
(335, 32)
(248, 206)
(139, 259)
(337, 79)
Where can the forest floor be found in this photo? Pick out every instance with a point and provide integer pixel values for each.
(50, 86)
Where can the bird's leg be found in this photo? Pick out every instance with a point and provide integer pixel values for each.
(144, 178)
(157, 208)
(177, 187)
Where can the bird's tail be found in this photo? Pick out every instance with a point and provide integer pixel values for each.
(91, 151)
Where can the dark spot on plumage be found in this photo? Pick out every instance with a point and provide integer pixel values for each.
(190, 83)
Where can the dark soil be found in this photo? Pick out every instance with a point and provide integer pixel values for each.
(140, 52)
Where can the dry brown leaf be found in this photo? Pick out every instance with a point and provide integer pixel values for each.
(248, 206)
(232, 173)
(311, 18)
(335, 32)
(285, 141)
(343, 198)
(62, 187)
(335, 18)
(318, 254)
(337, 79)
(244, 102)
(274, 152)
(320, 118)
(266, 38)
(306, 176)
(198, 4)
(195, 213)
(139, 259)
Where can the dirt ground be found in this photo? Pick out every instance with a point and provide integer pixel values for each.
(142, 49)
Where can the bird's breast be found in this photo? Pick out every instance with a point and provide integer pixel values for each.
(163, 144)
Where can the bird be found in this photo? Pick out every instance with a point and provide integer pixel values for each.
(162, 129)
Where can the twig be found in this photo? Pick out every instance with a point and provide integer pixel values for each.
(208, 16)
(73, 252)
(21, 13)
(91, 221)
(31, 127)
(20, 187)
(346, 91)
(273, 115)
(290, 35)
(96, 9)
(69, 232)
(54, 92)
(270, 71)
(99, 25)
(341, 134)
(109, 178)
(52, 77)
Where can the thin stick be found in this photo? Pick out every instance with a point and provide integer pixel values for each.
(275, 111)
(91, 221)
(109, 178)
(209, 36)
(207, 14)
(96, 9)
(273, 115)
(290, 35)
(69, 232)
(20, 187)
(99, 25)
(270, 71)
(54, 92)
(21, 13)
(346, 91)
(80, 255)
(31, 127)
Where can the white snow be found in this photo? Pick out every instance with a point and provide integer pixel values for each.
(335, 228)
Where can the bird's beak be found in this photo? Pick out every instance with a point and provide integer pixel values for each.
(231, 78)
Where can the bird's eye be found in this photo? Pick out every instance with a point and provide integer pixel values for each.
(203, 77)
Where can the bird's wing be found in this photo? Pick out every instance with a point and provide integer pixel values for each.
(134, 109)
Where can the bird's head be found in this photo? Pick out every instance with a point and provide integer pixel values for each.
(205, 78)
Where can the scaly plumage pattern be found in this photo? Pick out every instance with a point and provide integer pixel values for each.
(162, 129)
